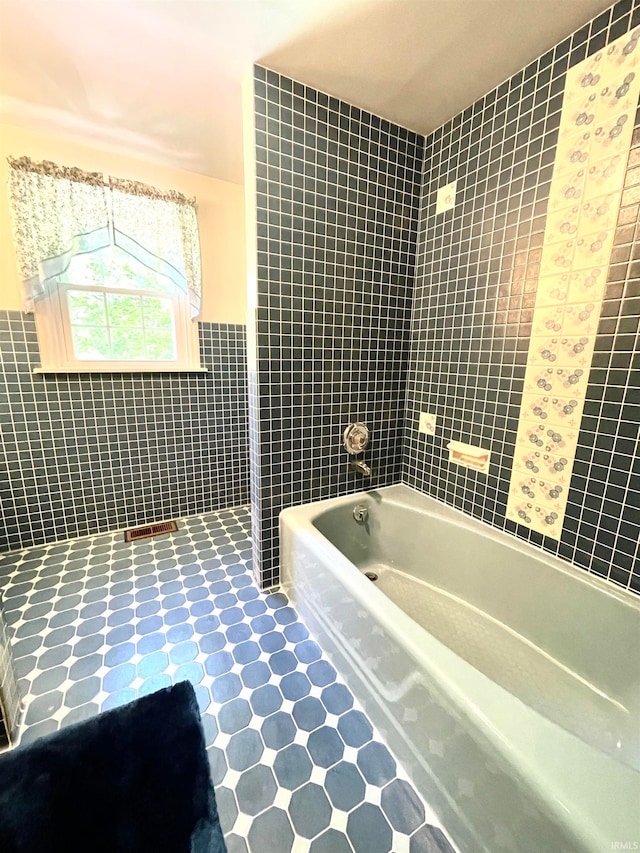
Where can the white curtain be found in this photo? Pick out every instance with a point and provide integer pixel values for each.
(55, 216)
(161, 232)
(59, 212)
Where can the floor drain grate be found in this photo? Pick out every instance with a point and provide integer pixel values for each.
(371, 575)
(136, 533)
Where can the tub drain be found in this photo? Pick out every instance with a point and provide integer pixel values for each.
(371, 575)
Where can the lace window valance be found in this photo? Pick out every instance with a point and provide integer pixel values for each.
(59, 212)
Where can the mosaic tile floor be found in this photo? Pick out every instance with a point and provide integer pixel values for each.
(296, 764)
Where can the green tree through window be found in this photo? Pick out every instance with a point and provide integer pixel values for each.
(119, 309)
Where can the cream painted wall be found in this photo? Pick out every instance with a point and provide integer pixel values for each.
(220, 216)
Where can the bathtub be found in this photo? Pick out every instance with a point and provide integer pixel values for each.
(505, 681)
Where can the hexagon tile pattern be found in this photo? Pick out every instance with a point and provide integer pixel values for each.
(296, 764)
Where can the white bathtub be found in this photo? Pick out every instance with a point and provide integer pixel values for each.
(506, 682)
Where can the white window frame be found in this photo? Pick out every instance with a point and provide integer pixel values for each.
(53, 324)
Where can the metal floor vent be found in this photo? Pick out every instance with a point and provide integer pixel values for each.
(149, 530)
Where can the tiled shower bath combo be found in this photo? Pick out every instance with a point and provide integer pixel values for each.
(333, 320)
(412, 655)
(495, 194)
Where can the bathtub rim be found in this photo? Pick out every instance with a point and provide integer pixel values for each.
(404, 495)
(572, 802)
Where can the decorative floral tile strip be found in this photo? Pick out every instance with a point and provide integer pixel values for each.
(596, 126)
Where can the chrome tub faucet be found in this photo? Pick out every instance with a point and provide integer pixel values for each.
(361, 467)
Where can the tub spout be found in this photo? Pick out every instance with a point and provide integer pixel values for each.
(361, 467)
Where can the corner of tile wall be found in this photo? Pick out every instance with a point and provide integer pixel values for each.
(477, 272)
(337, 205)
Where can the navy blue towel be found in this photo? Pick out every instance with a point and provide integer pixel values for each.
(131, 780)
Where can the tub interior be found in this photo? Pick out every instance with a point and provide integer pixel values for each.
(513, 616)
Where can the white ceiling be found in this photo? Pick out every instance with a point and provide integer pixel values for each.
(160, 79)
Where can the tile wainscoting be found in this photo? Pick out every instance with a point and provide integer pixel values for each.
(87, 453)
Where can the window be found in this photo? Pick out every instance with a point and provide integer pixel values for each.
(108, 311)
(110, 267)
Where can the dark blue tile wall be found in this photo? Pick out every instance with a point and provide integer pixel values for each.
(337, 201)
(85, 453)
(475, 292)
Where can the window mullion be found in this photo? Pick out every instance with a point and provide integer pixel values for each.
(108, 316)
(144, 327)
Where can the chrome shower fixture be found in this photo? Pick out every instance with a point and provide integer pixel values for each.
(355, 438)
